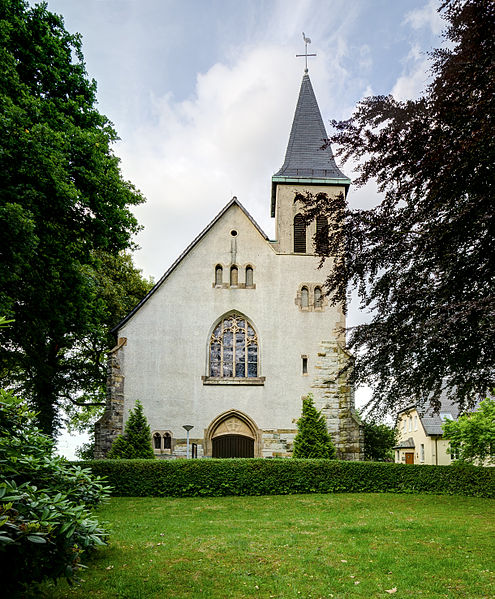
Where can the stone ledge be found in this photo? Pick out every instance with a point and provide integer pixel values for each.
(255, 381)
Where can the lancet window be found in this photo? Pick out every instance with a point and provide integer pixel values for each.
(304, 297)
(318, 297)
(162, 440)
(234, 349)
(249, 276)
(218, 275)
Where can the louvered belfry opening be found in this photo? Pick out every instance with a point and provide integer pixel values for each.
(299, 234)
(321, 223)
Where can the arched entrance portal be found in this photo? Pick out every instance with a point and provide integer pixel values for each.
(232, 446)
(233, 435)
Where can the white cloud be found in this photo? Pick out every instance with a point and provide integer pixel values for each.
(427, 16)
(228, 139)
(416, 76)
(411, 85)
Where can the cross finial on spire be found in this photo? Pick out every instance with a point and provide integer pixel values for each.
(306, 42)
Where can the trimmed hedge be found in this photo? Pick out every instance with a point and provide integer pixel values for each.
(217, 477)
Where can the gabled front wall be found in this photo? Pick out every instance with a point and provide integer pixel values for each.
(166, 354)
(435, 448)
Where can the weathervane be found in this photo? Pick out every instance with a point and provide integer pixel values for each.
(306, 41)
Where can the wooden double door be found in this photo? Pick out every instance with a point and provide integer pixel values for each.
(232, 446)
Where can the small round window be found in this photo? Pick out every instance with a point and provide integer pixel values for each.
(233, 233)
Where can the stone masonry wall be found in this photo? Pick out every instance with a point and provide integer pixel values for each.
(111, 424)
(333, 396)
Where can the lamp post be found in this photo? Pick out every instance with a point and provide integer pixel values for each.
(188, 427)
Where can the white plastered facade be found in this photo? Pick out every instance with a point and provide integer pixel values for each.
(424, 449)
(162, 357)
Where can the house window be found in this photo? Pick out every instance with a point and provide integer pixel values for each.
(299, 234)
(304, 297)
(234, 275)
(167, 441)
(234, 349)
(157, 441)
(249, 276)
(422, 452)
(415, 423)
(218, 275)
(410, 424)
(318, 300)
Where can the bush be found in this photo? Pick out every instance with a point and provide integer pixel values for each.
(45, 518)
(212, 477)
(136, 441)
(312, 439)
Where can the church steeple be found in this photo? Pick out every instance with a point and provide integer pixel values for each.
(305, 160)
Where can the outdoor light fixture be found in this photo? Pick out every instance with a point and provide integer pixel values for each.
(188, 427)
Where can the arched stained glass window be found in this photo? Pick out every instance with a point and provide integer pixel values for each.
(234, 275)
(234, 349)
(299, 234)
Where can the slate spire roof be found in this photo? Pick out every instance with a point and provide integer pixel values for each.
(305, 161)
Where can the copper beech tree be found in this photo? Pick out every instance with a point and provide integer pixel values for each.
(422, 260)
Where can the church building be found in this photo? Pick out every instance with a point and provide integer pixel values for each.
(238, 330)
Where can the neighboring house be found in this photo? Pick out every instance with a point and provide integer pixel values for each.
(420, 434)
(238, 330)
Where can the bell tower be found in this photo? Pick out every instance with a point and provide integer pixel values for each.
(307, 167)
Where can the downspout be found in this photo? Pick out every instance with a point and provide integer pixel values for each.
(436, 451)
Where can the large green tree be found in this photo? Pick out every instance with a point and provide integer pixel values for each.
(119, 286)
(379, 440)
(63, 204)
(472, 435)
(423, 259)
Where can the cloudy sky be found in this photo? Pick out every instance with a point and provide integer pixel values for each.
(202, 93)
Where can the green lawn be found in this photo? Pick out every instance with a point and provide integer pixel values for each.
(309, 546)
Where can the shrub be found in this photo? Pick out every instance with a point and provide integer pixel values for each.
(136, 441)
(212, 477)
(45, 503)
(312, 439)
